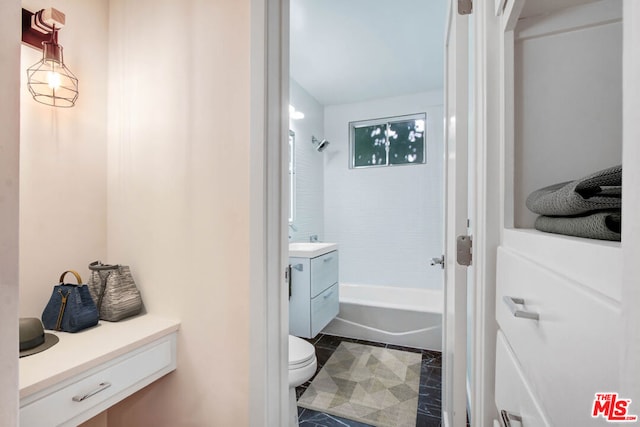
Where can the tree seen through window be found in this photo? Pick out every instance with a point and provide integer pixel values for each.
(387, 142)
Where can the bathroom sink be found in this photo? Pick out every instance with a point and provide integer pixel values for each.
(310, 249)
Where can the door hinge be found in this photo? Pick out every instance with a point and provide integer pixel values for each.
(464, 250)
(465, 7)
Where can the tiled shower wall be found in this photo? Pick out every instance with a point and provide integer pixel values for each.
(309, 171)
(388, 221)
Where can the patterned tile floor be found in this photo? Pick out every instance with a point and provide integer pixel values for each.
(429, 403)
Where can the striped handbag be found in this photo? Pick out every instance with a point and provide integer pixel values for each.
(114, 291)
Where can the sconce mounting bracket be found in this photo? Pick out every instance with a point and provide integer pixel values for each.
(30, 36)
(39, 27)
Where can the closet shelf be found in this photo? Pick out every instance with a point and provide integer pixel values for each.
(540, 8)
(596, 264)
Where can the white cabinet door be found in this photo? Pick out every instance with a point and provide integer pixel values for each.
(324, 272)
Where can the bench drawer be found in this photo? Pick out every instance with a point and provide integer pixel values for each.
(81, 397)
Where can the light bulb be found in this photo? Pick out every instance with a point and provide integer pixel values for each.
(295, 115)
(53, 79)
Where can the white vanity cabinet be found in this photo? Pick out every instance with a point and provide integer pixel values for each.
(558, 298)
(87, 372)
(314, 293)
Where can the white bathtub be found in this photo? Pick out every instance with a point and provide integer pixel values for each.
(402, 316)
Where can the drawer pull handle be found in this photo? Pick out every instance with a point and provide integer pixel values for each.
(511, 303)
(102, 386)
(507, 417)
(328, 295)
(327, 259)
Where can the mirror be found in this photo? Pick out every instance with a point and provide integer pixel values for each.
(292, 176)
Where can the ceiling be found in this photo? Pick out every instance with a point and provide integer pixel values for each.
(345, 51)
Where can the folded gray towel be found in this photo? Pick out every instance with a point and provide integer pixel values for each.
(598, 191)
(599, 225)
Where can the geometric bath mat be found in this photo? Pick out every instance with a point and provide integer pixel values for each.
(372, 385)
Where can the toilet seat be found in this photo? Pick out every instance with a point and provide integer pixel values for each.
(301, 353)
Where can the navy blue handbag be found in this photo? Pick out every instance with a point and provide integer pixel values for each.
(70, 308)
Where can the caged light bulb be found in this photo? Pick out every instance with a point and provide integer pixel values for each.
(49, 81)
(53, 80)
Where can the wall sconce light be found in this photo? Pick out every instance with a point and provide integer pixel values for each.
(294, 114)
(49, 81)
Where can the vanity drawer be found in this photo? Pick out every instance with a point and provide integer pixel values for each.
(64, 405)
(324, 308)
(514, 398)
(572, 351)
(324, 272)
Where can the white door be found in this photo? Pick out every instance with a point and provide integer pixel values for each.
(456, 140)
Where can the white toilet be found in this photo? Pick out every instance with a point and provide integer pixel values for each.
(302, 366)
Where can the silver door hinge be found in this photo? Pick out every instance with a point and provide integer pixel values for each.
(464, 248)
(465, 7)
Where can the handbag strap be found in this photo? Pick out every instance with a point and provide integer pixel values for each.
(75, 273)
(99, 266)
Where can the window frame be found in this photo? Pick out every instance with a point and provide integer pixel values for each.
(386, 121)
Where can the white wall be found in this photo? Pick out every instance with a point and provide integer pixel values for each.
(548, 148)
(388, 222)
(9, 177)
(63, 160)
(179, 199)
(309, 171)
(178, 190)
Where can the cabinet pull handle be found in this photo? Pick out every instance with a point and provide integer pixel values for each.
(507, 417)
(327, 259)
(102, 386)
(328, 295)
(511, 303)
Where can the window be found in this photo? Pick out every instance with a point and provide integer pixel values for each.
(388, 142)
